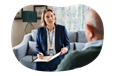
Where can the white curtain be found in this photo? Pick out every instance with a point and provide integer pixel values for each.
(72, 16)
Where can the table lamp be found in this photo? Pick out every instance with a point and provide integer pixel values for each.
(29, 16)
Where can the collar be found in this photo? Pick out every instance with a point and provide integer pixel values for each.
(93, 44)
(48, 30)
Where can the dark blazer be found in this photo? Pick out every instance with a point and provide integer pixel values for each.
(61, 39)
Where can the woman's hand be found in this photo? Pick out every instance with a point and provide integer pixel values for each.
(40, 55)
(64, 50)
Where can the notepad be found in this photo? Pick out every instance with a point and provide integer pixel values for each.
(47, 58)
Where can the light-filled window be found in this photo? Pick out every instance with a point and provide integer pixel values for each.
(71, 16)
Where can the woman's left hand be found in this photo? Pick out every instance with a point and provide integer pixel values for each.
(64, 50)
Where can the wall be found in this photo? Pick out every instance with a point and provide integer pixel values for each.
(18, 27)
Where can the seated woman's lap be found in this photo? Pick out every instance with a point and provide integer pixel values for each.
(48, 66)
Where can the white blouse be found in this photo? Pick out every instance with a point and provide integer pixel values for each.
(53, 42)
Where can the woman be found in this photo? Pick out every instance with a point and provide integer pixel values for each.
(50, 40)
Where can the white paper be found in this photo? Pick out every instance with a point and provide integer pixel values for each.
(47, 58)
(56, 55)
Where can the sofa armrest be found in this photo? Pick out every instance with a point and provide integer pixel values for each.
(21, 49)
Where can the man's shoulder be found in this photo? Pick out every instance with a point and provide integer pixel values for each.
(75, 54)
(88, 49)
(76, 58)
(93, 49)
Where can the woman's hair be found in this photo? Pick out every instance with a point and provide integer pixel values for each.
(43, 23)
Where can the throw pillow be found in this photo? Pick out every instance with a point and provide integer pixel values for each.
(79, 46)
(32, 48)
(71, 47)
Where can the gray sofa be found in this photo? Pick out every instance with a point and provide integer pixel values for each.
(26, 48)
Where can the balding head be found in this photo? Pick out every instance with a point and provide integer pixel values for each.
(93, 19)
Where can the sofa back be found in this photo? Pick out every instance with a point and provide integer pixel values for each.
(76, 36)
(77, 41)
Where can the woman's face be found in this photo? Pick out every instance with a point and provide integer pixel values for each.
(49, 18)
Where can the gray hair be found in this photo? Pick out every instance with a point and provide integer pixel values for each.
(94, 21)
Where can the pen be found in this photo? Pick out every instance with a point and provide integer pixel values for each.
(38, 53)
(35, 58)
(61, 53)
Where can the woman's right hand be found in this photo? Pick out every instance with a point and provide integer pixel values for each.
(40, 55)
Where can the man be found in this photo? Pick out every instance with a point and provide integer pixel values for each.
(94, 33)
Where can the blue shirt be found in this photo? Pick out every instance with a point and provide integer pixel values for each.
(93, 44)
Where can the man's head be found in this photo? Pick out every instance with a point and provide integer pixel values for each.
(94, 26)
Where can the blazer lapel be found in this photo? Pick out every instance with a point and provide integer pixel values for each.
(56, 37)
(45, 33)
(45, 39)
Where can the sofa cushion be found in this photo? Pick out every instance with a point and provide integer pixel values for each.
(34, 33)
(27, 61)
(81, 37)
(71, 47)
(79, 46)
(32, 48)
(72, 36)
